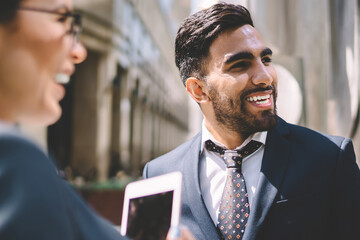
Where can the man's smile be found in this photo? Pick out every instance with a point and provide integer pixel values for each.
(261, 99)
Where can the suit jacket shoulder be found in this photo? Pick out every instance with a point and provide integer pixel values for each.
(305, 171)
(306, 133)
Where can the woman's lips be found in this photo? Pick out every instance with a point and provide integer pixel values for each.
(62, 78)
(63, 75)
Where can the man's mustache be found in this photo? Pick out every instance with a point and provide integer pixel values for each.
(259, 89)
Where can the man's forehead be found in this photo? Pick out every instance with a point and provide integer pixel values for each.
(242, 39)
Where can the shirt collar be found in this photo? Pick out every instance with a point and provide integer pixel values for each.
(206, 135)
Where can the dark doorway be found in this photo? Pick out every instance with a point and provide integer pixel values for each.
(59, 135)
(115, 153)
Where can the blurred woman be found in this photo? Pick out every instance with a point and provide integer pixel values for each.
(38, 53)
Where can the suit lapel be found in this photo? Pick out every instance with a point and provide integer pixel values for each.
(273, 168)
(193, 193)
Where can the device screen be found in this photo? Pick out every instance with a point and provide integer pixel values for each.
(149, 217)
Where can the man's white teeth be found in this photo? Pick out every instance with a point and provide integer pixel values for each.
(258, 99)
(62, 78)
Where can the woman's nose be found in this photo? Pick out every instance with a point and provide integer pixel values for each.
(78, 53)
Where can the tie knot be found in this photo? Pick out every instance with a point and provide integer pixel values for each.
(233, 158)
(211, 146)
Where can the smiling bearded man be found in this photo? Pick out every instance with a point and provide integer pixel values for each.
(248, 174)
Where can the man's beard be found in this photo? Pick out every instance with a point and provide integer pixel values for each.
(233, 114)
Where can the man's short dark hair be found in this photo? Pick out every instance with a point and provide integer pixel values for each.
(8, 10)
(199, 30)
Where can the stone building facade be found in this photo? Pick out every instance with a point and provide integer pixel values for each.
(125, 104)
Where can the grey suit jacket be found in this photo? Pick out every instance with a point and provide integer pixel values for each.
(309, 187)
(35, 203)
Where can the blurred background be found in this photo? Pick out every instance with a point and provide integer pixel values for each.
(126, 104)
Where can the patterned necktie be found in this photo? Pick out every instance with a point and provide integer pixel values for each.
(234, 206)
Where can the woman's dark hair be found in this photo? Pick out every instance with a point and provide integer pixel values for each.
(199, 30)
(8, 10)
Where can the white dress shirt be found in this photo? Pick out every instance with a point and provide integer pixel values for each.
(213, 171)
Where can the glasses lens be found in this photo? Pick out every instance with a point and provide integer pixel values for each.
(71, 20)
(75, 26)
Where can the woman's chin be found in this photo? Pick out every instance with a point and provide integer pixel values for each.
(43, 119)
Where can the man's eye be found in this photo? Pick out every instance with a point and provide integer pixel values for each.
(266, 60)
(240, 65)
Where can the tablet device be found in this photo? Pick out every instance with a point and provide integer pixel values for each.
(151, 206)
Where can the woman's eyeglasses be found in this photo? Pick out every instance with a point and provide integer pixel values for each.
(72, 20)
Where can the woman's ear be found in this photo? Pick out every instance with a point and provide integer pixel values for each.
(1, 36)
(4, 32)
(197, 89)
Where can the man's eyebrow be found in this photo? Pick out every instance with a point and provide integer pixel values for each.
(238, 56)
(245, 55)
(266, 51)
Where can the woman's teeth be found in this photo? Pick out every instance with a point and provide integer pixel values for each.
(259, 99)
(62, 78)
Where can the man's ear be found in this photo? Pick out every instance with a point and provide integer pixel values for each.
(197, 89)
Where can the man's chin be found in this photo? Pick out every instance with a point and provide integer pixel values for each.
(245, 121)
(267, 121)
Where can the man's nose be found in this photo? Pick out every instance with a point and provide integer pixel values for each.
(262, 75)
(78, 53)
